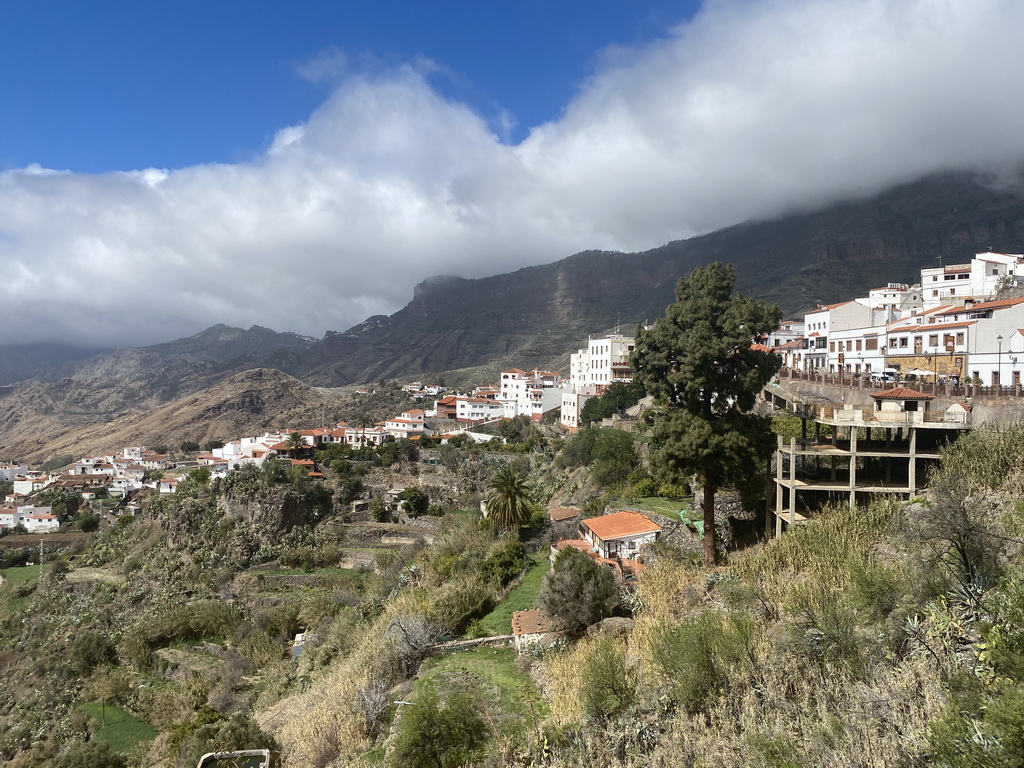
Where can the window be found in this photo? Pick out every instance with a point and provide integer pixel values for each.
(870, 344)
(831, 346)
(960, 338)
(933, 340)
(904, 341)
(935, 293)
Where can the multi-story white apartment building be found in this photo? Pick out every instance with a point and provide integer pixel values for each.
(978, 280)
(602, 362)
(529, 393)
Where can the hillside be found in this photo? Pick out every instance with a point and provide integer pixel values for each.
(34, 421)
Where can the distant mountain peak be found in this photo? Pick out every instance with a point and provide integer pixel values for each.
(435, 284)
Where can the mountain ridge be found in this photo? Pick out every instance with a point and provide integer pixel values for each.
(536, 315)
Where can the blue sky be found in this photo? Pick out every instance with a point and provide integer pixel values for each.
(168, 166)
(105, 86)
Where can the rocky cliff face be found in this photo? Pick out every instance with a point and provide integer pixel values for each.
(537, 314)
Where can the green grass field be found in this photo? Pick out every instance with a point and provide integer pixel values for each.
(676, 509)
(521, 598)
(121, 731)
(12, 579)
(509, 697)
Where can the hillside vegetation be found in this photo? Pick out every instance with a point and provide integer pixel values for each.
(878, 636)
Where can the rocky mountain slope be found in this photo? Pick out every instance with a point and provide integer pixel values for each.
(538, 313)
(34, 424)
(535, 316)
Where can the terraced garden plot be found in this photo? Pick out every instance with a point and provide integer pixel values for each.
(522, 597)
(118, 728)
(84, 575)
(509, 699)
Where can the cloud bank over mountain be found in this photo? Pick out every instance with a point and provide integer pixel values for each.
(752, 109)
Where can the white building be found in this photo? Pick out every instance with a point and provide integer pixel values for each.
(409, 424)
(620, 534)
(980, 279)
(529, 393)
(30, 483)
(10, 471)
(602, 362)
(478, 409)
(788, 330)
(33, 519)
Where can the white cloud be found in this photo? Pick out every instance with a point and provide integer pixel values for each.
(751, 109)
(328, 66)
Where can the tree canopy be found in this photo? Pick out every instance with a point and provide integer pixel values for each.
(577, 592)
(509, 499)
(698, 363)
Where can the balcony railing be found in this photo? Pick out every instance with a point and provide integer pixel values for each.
(943, 389)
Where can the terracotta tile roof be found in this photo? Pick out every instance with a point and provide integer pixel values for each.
(760, 347)
(998, 304)
(619, 524)
(531, 622)
(902, 393)
(558, 514)
(930, 326)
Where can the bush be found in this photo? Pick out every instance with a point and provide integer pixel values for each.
(415, 501)
(504, 562)
(90, 754)
(87, 521)
(436, 733)
(210, 731)
(90, 650)
(697, 657)
(614, 458)
(607, 683)
(577, 592)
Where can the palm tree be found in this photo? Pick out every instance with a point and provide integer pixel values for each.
(509, 499)
(363, 421)
(296, 442)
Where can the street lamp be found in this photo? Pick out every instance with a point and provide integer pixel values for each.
(999, 360)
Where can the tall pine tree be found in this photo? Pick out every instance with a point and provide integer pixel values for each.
(698, 363)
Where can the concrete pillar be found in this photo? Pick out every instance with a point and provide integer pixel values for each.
(778, 493)
(912, 469)
(853, 467)
(792, 480)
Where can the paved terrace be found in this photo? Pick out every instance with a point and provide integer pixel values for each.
(839, 399)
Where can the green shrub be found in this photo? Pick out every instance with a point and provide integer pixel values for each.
(439, 733)
(698, 656)
(608, 686)
(90, 650)
(90, 754)
(577, 592)
(504, 562)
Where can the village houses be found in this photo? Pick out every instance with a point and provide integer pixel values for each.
(949, 326)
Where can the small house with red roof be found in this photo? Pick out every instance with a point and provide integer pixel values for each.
(530, 628)
(619, 534)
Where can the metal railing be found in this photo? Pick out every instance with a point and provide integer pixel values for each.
(945, 389)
